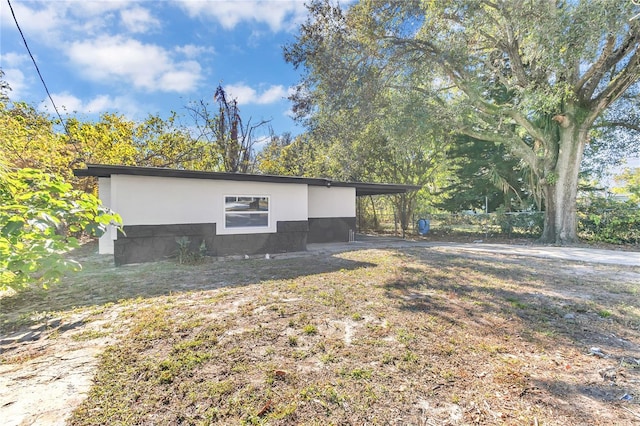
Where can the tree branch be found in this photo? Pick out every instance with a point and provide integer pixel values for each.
(526, 124)
(627, 77)
(512, 49)
(515, 143)
(628, 46)
(626, 125)
(597, 67)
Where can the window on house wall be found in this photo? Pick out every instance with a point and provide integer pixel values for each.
(246, 211)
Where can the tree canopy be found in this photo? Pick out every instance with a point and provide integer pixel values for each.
(536, 77)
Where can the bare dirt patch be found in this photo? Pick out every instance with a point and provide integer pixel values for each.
(410, 335)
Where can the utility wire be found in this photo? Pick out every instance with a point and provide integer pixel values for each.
(64, 123)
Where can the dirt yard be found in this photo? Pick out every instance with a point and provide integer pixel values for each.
(411, 335)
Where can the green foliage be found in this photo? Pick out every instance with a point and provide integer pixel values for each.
(616, 136)
(361, 129)
(606, 220)
(29, 140)
(110, 140)
(40, 215)
(486, 170)
(186, 254)
(285, 156)
(528, 223)
(630, 180)
(154, 142)
(310, 329)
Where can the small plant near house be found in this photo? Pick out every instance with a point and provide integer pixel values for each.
(188, 256)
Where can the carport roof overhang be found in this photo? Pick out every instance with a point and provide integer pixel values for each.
(362, 188)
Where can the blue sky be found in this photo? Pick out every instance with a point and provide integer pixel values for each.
(141, 57)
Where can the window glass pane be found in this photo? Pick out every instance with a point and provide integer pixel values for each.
(242, 220)
(246, 204)
(262, 204)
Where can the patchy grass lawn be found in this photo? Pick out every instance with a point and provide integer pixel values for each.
(403, 336)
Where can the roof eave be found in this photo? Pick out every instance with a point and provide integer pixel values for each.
(362, 188)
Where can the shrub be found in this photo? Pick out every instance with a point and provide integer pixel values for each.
(606, 220)
(39, 216)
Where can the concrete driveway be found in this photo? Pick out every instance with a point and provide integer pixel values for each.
(579, 254)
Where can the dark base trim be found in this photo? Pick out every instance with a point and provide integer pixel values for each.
(148, 243)
(331, 229)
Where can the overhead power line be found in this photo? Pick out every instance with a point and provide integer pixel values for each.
(46, 89)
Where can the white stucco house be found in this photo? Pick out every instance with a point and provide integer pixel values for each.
(231, 213)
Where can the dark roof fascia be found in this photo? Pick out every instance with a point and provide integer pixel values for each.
(104, 171)
(364, 188)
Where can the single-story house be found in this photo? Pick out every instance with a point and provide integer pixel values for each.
(225, 213)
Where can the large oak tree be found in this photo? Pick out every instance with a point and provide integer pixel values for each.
(534, 76)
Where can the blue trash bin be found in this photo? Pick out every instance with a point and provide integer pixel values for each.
(423, 227)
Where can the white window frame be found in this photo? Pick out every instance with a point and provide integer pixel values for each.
(249, 213)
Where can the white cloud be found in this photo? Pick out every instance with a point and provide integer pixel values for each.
(138, 20)
(279, 15)
(192, 51)
(71, 104)
(289, 114)
(180, 81)
(146, 66)
(261, 141)
(55, 22)
(273, 94)
(247, 95)
(40, 22)
(291, 91)
(12, 64)
(64, 102)
(95, 8)
(12, 59)
(16, 80)
(243, 94)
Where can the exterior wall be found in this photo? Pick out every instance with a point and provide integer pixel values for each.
(332, 202)
(148, 243)
(157, 210)
(291, 236)
(105, 244)
(330, 229)
(332, 214)
(143, 200)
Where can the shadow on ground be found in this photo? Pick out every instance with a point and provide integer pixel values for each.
(542, 303)
(101, 283)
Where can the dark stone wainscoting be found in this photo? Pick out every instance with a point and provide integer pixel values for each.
(148, 243)
(330, 230)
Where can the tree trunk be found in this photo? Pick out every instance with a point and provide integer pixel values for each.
(561, 188)
(404, 204)
(376, 224)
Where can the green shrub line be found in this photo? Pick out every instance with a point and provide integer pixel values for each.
(599, 220)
